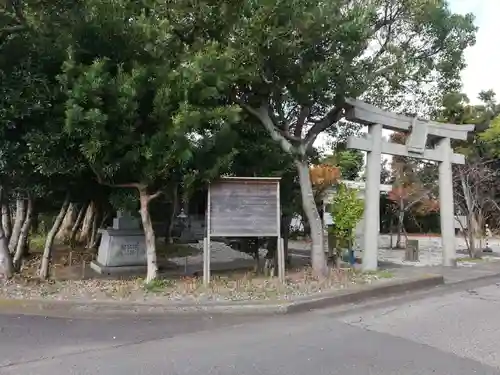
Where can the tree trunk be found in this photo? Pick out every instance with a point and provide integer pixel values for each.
(6, 220)
(23, 236)
(18, 223)
(93, 230)
(472, 223)
(6, 266)
(149, 233)
(64, 233)
(475, 251)
(76, 225)
(49, 242)
(171, 219)
(86, 230)
(318, 258)
(401, 216)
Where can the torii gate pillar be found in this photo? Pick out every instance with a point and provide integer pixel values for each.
(418, 132)
(446, 206)
(372, 199)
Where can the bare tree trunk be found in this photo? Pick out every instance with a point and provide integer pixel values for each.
(477, 227)
(18, 223)
(86, 230)
(23, 237)
(318, 258)
(93, 231)
(64, 233)
(400, 225)
(6, 266)
(76, 225)
(472, 223)
(6, 220)
(149, 233)
(49, 242)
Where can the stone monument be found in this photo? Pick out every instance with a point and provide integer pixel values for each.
(122, 248)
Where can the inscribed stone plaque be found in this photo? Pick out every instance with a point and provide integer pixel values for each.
(242, 208)
(120, 249)
(417, 138)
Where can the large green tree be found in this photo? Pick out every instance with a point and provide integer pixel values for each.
(296, 62)
(32, 50)
(139, 97)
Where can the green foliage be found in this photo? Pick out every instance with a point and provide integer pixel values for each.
(124, 200)
(491, 137)
(139, 111)
(350, 163)
(346, 210)
(457, 109)
(35, 156)
(296, 61)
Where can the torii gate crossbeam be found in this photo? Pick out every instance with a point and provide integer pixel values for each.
(418, 132)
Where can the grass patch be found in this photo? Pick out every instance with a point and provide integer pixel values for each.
(37, 242)
(385, 274)
(158, 285)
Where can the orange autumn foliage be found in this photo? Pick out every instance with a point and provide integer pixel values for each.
(413, 195)
(324, 175)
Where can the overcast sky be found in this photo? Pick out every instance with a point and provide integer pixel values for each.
(480, 73)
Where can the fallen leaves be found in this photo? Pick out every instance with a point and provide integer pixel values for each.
(230, 287)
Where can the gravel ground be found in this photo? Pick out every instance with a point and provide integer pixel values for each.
(223, 288)
(431, 252)
(430, 249)
(238, 286)
(219, 253)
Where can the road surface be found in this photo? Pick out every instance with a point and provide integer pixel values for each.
(455, 333)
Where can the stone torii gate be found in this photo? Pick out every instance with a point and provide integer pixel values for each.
(377, 119)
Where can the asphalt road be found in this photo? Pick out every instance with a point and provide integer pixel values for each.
(456, 333)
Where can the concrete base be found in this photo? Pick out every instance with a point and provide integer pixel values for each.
(120, 270)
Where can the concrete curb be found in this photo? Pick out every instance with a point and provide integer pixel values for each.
(145, 309)
(363, 294)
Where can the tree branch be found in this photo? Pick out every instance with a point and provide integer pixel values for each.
(262, 113)
(331, 117)
(301, 120)
(155, 195)
(135, 185)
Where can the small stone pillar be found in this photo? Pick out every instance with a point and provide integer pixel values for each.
(412, 253)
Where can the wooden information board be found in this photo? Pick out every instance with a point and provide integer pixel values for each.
(244, 208)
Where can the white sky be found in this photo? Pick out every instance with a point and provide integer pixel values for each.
(481, 72)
